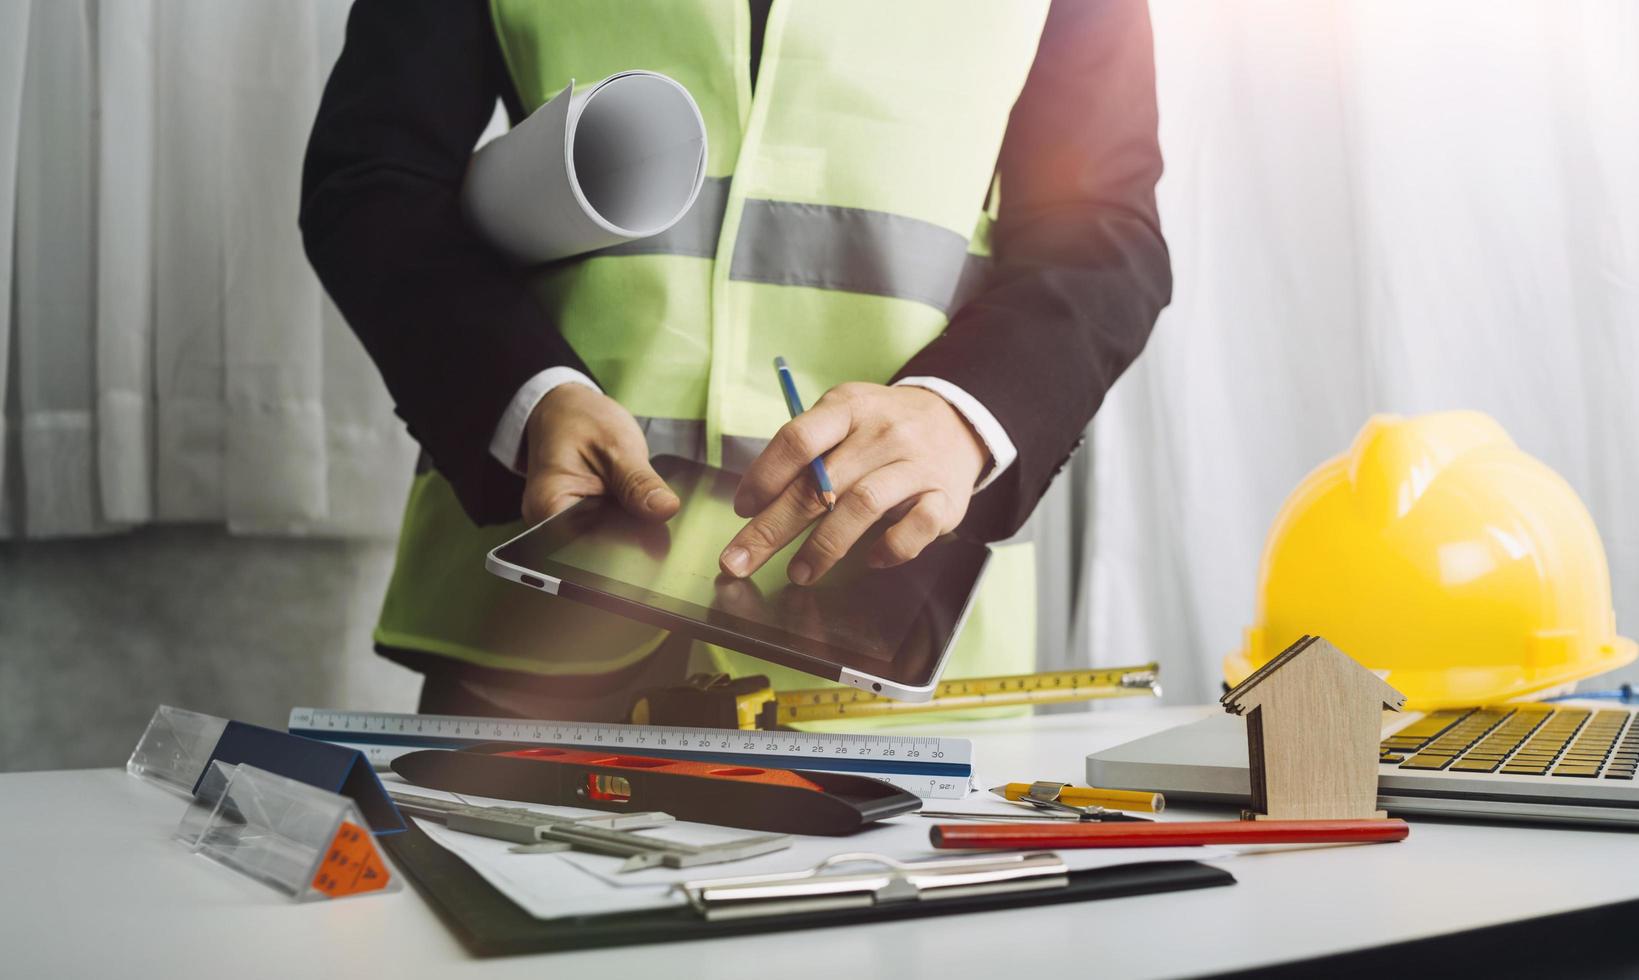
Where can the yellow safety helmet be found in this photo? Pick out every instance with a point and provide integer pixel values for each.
(1436, 551)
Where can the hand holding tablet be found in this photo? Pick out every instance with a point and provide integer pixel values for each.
(887, 630)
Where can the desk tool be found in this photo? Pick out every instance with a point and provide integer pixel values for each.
(488, 923)
(178, 746)
(718, 701)
(1177, 834)
(174, 748)
(1047, 801)
(932, 768)
(306, 842)
(1041, 814)
(542, 833)
(778, 800)
(793, 404)
(1091, 814)
(875, 880)
(1043, 791)
(323, 765)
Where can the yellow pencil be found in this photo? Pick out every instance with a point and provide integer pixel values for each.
(1113, 799)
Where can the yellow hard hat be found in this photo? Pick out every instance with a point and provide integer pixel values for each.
(1437, 552)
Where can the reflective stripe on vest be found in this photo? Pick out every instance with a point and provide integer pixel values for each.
(850, 249)
(841, 223)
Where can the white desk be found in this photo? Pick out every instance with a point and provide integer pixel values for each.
(91, 885)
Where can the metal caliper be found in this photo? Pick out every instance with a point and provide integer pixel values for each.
(604, 833)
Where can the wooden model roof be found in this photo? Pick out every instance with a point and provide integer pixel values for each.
(1232, 700)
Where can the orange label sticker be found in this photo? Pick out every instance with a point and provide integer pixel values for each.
(352, 865)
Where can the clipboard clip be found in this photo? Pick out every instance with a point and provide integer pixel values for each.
(880, 880)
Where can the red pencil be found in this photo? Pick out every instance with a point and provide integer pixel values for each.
(1172, 834)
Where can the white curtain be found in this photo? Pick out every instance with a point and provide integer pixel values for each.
(172, 356)
(1377, 205)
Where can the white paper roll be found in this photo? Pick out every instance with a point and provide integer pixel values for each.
(620, 160)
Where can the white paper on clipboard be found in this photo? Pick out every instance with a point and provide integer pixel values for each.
(577, 883)
(596, 166)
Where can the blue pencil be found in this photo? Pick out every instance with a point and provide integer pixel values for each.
(793, 402)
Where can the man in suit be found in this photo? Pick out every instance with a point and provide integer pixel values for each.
(490, 368)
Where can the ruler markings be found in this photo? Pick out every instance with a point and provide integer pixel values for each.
(927, 765)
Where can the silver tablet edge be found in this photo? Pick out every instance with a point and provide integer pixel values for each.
(904, 692)
(846, 675)
(515, 573)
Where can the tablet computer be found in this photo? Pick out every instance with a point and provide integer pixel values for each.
(888, 631)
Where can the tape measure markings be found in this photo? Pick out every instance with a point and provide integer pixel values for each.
(824, 704)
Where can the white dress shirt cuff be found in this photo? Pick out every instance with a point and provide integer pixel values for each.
(507, 445)
(991, 433)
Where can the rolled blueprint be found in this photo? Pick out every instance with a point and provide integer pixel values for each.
(596, 166)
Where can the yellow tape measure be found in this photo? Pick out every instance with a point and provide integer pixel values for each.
(1053, 687)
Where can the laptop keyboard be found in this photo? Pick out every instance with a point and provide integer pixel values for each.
(1519, 740)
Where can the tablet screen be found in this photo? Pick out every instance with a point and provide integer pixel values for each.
(894, 622)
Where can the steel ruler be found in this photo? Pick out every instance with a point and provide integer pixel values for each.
(930, 767)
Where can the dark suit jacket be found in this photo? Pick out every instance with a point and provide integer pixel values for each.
(1081, 270)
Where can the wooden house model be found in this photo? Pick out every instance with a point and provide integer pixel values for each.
(1313, 723)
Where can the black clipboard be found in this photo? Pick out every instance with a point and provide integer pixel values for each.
(489, 924)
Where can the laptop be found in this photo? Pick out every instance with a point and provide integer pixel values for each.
(1534, 762)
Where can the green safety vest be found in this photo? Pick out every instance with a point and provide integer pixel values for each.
(841, 220)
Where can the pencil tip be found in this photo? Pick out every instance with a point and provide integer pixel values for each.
(829, 498)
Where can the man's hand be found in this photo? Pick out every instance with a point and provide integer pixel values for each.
(900, 450)
(582, 443)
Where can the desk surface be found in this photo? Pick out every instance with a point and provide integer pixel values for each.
(91, 884)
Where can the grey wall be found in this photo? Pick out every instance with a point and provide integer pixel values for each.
(95, 633)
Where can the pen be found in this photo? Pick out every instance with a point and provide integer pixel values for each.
(1114, 799)
(1176, 834)
(793, 402)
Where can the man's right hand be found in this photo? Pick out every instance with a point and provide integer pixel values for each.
(582, 443)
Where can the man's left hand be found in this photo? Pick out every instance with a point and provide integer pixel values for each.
(888, 450)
